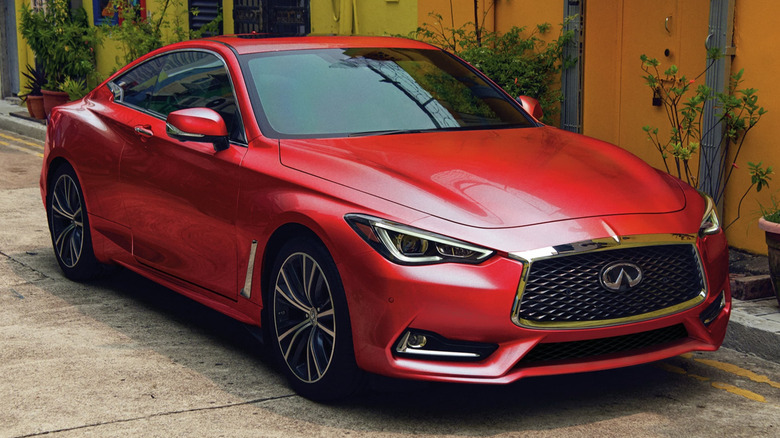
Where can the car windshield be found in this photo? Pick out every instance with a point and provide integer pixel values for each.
(370, 91)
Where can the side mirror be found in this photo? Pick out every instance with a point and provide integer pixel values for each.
(531, 106)
(198, 124)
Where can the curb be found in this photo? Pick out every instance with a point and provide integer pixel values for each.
(23, 127)
(754, 335)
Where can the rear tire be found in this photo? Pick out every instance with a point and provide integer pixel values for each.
(69, 226)
(308, 318)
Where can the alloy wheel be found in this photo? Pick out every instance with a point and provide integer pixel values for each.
(67, 222)
(304, 317)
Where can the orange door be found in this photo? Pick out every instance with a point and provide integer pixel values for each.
(617, 103)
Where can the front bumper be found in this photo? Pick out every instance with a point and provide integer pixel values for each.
(463, 305)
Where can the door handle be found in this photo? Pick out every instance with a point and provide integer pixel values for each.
(144, 131)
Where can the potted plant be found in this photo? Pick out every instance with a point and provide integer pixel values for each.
(769, 222)
(63, 43)
(36, 80)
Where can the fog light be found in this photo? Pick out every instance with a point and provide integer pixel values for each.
(416, 340)
(420, 344)
(713, 310)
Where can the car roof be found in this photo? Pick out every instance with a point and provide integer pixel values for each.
(258, 43)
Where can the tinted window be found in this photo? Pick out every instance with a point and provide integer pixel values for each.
(137, 85)
(183, 79)
(361, 91)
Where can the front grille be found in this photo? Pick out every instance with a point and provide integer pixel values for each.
(566, 290)
(599, 347)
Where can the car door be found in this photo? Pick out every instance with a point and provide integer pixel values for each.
(182, 196)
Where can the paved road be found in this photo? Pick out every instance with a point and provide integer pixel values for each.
(125, 357)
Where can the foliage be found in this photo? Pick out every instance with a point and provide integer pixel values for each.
(62, 41)
(521, 62)
(139, 35)
(36, 80)
(76, 88)
(737, 112)
(771, 213)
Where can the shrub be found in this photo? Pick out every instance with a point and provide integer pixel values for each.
(520, 62)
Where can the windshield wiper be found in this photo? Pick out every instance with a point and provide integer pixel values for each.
(388, 132)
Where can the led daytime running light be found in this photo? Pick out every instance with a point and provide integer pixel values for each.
(710, 224)
(408, 245)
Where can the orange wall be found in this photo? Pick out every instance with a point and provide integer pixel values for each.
(501, 16)
(601, 71)
(756, 52)
(617, 103)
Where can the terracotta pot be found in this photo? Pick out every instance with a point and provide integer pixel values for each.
(772, 230)
(35, 107)
(52, 99)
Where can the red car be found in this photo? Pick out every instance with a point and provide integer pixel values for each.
(377, 205)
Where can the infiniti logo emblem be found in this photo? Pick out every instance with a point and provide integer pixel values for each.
(620, 276)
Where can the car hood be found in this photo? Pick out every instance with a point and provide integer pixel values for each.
(492, 178)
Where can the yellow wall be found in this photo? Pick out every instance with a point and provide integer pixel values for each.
(26, 55)
(363, 17)
(227, 17)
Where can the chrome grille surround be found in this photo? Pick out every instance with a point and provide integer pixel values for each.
(572, 297)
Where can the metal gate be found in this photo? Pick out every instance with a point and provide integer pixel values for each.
(207, 11)
(284, 17)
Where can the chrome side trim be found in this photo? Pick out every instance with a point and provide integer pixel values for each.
(527, 258)
(246, 292)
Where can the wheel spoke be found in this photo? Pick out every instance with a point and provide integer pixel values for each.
(58, 208)
(307, 282)
(62, 242)
(312, 352)
(295, 329)
(291, 299)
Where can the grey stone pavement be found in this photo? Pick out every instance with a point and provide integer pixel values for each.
(755, 323)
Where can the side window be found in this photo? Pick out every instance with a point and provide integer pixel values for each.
(196, 79)
(137, 85)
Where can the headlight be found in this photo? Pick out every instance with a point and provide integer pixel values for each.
(710, 224)
(411, 246)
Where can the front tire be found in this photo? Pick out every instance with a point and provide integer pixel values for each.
(69, 226)
(310, 330)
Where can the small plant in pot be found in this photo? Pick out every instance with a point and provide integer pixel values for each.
(33, 97)
(770, 223)
(63, 43)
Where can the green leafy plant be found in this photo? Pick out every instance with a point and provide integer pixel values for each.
(36, 80)
(521, 62)
(139, 35)
(62, 41)
(76, 88)
(771, 212)
(737, 113)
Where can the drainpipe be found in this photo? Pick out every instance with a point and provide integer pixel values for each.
(722, 36)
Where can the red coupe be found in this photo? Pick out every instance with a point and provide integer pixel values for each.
(377, 205)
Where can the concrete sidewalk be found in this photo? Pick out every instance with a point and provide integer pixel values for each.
(9, 120)
(754, 326)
